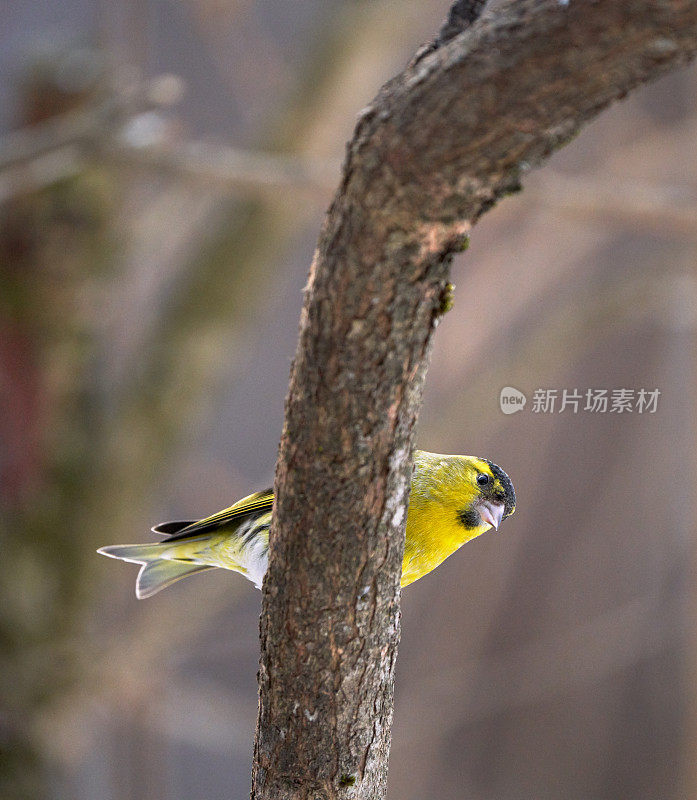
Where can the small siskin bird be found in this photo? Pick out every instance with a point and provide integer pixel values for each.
(453, 499)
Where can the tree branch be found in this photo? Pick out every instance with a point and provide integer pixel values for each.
(438, 146)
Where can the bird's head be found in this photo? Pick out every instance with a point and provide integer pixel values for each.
(488, 495)
(463, 491)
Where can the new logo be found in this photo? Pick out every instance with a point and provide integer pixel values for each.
(512, 400)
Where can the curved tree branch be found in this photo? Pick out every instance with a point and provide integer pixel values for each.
(438, 146)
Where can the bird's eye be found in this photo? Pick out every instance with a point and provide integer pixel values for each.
(483, 479)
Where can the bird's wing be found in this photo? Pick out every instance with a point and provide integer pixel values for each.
(253, 506)
(169, 528)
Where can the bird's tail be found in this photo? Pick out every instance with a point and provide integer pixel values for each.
(156, 572)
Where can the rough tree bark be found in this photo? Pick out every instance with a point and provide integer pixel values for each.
(437, 147)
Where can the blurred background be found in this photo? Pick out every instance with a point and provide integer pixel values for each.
(164, 170)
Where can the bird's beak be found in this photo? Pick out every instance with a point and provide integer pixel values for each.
(491, 513)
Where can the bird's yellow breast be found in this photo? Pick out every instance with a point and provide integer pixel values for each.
(433, 534)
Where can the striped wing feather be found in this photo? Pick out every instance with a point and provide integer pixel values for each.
(253, 506)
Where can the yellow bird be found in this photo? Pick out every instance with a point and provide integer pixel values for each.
(453, 499)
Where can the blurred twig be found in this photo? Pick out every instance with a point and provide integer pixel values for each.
(37, 155)
(656, 206)
(75, 127)
(254, 173)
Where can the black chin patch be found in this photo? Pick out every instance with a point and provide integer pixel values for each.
(469, 517)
